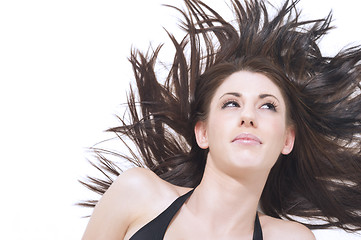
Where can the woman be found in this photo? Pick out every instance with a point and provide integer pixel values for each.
(248, 117)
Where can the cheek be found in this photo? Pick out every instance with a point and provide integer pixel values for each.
(213, 128)
(218, 127)
(277, 127)
(276, 130)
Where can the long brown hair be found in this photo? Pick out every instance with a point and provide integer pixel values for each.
(321, 178)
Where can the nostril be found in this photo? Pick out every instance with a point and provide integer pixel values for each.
(247, 123)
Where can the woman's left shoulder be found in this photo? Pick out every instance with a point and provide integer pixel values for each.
(274, 228)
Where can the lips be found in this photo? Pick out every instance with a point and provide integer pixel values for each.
(247, 138)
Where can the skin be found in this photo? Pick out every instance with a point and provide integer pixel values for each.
(245, 132)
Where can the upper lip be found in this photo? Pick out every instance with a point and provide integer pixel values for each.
(247, 136)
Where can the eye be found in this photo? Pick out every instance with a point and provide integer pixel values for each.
(270, 106)
(230, 103)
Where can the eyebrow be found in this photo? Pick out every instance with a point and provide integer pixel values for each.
(231, 93)
(261, 96)
(267, 95)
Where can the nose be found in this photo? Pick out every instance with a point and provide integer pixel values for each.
(248, 118)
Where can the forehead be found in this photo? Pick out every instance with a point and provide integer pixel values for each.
(248, 83)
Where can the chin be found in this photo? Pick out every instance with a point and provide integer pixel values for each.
(246, 163)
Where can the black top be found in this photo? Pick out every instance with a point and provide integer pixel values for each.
(155, 229)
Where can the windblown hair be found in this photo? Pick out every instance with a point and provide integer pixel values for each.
(321, 177)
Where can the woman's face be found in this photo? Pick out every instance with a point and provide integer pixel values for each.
(246, 125)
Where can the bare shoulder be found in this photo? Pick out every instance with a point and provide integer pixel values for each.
(126, 203)
(144, 183)
(136, 186)
(140, 180)
(274, 228)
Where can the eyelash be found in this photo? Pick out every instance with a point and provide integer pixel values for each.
(270, 105)
(226, 104)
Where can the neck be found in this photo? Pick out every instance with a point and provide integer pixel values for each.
(225, 203)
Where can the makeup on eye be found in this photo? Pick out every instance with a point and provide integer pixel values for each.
(234, 101)
(270, 105)
(230, 103)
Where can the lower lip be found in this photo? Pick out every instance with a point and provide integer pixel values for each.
(247, 142)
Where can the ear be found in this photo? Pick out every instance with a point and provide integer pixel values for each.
(200, 130)
(289, 140)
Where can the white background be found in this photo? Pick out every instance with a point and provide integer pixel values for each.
(63, 76)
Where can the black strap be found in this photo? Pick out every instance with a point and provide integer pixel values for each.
(257, 231)
(156, 229)
(172, 210)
